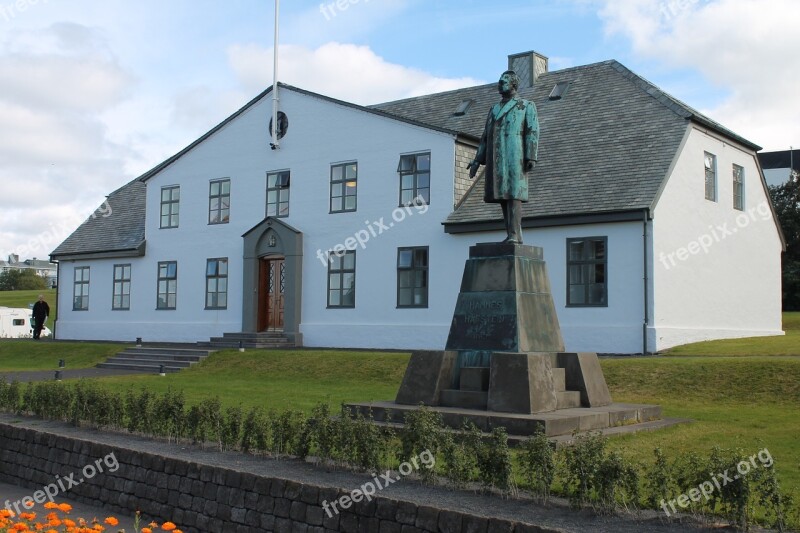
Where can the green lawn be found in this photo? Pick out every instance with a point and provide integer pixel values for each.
(788, 344)
(28, 354)
(749, 403)
(23, 298)
(283, 378)
(748, 399)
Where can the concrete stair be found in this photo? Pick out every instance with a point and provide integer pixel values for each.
(151, 358)
(249, 340)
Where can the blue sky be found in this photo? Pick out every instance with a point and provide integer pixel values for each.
(94, 93)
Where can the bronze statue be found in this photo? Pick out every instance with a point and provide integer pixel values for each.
(509, 144)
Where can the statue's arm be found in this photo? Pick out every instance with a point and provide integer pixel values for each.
(531, 137)
(480, 156)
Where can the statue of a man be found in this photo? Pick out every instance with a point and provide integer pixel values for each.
(508, 148)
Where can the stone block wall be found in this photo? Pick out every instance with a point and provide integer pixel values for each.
(209, 498)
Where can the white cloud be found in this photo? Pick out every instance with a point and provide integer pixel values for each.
(743, 46)
(345, 71)
(56, 159)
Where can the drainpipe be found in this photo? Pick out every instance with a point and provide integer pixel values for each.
(646, 281)
(58, 289)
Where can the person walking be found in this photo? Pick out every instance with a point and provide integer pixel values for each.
(40, 313)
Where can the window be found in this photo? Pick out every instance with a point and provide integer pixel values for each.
(170, 206)
(711, 176)
(121, 299)
(80, 290)
(217, 283)
(344, 186)
(415, 179)
(738, 187)
(412, 277)
(342, 279)
(219, 201)
(278, 194)
(559, 90)
(167, 285)
(463, 107)
(587, 265)
(18, 322)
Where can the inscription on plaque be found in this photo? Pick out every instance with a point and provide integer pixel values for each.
(483, 320)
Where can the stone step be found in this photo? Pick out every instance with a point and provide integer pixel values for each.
(160, 356)
(559, 422)
(159, 350)
(464, 399)
(260, 335)
(568, 399)
(149, 362)
(152, 358)
(474, 379)
(151, 368)
(232, 345)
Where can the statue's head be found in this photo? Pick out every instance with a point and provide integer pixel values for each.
(509, 82)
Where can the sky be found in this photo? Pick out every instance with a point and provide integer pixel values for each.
(94, 93)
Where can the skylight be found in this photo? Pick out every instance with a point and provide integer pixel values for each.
(463, 107)
(559, 90)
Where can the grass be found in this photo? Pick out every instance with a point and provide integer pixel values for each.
(743, 397)
(23, 298)
(26, 354)
(788, 344)
(749, 403)
(282, 378)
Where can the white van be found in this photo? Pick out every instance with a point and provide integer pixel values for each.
(15, 323)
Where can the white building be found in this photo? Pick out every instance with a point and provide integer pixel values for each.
(654, 219)
(44, 269)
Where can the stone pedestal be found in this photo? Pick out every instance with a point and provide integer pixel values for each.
(505, 352)
(504, 304)
(504, 363)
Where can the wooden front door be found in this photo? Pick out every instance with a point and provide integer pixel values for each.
(271, 288)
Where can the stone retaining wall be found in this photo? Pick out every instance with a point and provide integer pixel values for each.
(207, 498)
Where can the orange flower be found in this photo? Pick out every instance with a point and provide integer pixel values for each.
(64, 507)
(6, 513)
(168, 526)
(28, 516)
(69, 523)
(111, 521)
(19, 527)
(147, 530)
(51, 505)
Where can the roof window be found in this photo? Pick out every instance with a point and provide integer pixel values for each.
(463, 107)
(559, 90)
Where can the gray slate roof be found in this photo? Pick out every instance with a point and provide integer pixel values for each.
(122, 231)
(605, 147)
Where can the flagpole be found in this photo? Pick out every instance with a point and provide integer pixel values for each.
(274, 145)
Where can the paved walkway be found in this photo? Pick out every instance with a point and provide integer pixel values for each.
(10, 494)
(75, 373)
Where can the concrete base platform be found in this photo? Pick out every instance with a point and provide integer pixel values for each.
(553, 424)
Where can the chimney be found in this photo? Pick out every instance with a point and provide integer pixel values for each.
(528, 66)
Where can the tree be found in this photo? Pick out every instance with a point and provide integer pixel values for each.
(22, 280)
(786, 200)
